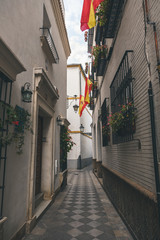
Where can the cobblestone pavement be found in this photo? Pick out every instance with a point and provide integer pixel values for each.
(81, 212)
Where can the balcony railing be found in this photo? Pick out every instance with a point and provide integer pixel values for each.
(122, 93)
(48, 45)
(113, 17)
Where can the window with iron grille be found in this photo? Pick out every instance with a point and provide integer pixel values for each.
(122, 94)
(5, 98)
(105, 123)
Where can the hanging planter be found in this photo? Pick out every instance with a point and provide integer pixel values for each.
(123, 122)
(102, 12)
(14, 127)
(99, 52)
(101, 66)
(106, 131)
(66, 145)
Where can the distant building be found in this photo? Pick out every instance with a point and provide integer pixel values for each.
(81, 154)
(33, 49)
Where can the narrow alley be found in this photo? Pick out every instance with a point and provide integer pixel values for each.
(81, 211)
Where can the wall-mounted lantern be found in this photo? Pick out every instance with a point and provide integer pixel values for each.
(81, 128)
(75, 106)
(26, 93)
(60, 120)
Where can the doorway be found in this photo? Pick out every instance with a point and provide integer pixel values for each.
(39, 156)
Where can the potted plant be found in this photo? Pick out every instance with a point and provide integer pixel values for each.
(102, 12)
(99, 52)
(106, 131)
(66, 145)
(15, 125)
(123, 121)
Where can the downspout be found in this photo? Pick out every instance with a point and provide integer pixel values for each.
(155, 37)
(151, 105)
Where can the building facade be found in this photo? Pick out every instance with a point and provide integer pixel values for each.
(81, 154)
(129, 74)
(34, 49)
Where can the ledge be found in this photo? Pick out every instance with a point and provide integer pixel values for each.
(47, 49)
(44, 78)
(2, 221)
(9, 63)
(136, 186)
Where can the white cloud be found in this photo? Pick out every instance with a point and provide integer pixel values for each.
(73, 10)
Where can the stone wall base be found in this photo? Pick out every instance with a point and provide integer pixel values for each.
(136, 205)
(2, 222)
(94, 164)
(99, 169)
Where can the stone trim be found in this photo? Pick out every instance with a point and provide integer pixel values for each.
(136, 186)
(2, 221)
(20, 233)
(42, 79)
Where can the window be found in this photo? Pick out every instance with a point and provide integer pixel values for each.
(5, 98)
(122, 93)
(47, 42)
(105, 123)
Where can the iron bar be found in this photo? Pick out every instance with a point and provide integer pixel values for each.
(47, 34)
(6, 87)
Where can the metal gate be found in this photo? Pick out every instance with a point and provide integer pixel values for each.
(5, 99)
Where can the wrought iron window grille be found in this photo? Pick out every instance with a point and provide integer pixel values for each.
(50, 44)
(95, 89)
(113, 18)
(5, 98)
(105, 121)
(122, 93)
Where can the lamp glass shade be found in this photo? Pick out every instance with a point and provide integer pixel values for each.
(75, 107)
(27, 96)
(82, 128)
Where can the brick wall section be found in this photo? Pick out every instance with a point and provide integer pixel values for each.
(135, 164)
(127, 158)
(136, 206)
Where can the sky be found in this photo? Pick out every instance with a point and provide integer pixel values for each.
(73, 10)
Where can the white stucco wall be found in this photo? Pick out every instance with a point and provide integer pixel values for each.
(83, 147)
(20, 23)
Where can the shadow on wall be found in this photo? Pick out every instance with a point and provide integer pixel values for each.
(81, 163)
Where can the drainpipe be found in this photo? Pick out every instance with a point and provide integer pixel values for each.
(151, 102)
(155, 37)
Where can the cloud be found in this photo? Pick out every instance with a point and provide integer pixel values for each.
(73, 10)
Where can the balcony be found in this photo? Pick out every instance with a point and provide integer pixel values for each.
(49, 46)
(113, 17)
(101, 66)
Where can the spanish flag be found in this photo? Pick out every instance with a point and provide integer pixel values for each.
(88, 14)
(96, 3)
(82, 105)
(88, 88)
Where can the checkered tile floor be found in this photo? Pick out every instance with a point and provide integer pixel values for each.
(82, 212)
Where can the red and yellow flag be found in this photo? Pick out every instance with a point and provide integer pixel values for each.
(96, 3)
(88, 16)
(88, 88)
(82, 105)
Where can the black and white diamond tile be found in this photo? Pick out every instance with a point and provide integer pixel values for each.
(81, 214)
